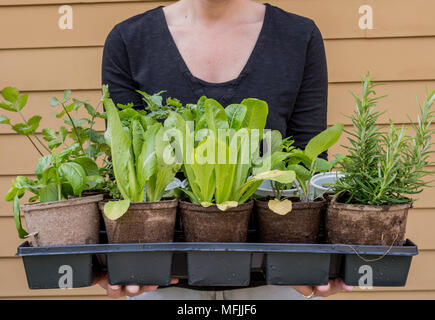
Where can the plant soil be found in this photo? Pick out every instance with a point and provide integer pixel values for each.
(366, 224)
(210, 224)
(301, 225)
(67, 222)
(143, 222)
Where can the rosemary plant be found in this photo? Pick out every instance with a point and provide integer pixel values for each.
(385, 166)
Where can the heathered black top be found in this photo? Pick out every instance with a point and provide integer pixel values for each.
(287, 69)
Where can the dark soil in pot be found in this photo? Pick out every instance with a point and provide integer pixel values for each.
(143, 222)
(366, 224)
(67, 222)
(301, 225)
(210, 224)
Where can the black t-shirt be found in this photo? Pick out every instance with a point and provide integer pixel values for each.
(287, 69)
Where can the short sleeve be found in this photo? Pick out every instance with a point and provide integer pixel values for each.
(116, 71)
(309, 116)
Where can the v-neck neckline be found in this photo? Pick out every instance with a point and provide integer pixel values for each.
(196, 83)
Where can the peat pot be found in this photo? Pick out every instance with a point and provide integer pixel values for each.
(213, 225)
(301, 225)
(67, 222)
(144, 222)
(366, 224)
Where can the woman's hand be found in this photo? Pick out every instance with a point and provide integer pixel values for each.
(334, 286)
(118, 291)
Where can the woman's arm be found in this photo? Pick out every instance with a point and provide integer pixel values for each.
(309, 114)
(116, 71)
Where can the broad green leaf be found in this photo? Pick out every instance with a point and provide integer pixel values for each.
(322, 165)
(122, 155)
(4, 120)
(21, 232)
(89, 165)
(8, 106)
(302, 173)
(90, 109)
(94, 181)
(138, 137)
(75, 175)
(256, 114)
(276, 175)
(54, 102)
(323, 141)
(21, 101)
(116, 209)
(281, 207)
(297, 156)
(10, 94)
(49, 193)
(49, 134)
(215, 116)
(66, 95)
(29, 127)
(146, 165)
(63, 133)
(235, 114)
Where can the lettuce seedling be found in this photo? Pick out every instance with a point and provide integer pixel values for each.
(137, 148)
(217, 167)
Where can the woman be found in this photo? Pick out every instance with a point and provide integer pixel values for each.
(227, 50)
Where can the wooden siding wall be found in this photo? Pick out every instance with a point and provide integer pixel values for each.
(39, 58)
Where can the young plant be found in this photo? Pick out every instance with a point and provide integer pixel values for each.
(60, 173)
(305, 163)
(138, 147)
(216, 165)
(385, 167)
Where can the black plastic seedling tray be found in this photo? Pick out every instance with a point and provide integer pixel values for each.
(218, 265)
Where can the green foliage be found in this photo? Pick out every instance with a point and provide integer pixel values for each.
(65, 169)
(216, 165)
(137, 148)
(385, 167)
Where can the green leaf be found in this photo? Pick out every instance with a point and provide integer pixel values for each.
(21, 102)
(93, 181)
(90, 109)
(215, 116)
(49, 134)
(302, 173)
(8, 106)
(89, 165)
(235, 114)
(138, 137)
(323, 141)
(116, 209)
(21, 232)
(43, 163)
(54, 102)
(122, 155)
(29, 127)
(146, 164)
(75, 175)
(322, 165)
(256, 114)
(4, 120)
(63, 133)
(10, 94)
(66, 95)
(49, 193)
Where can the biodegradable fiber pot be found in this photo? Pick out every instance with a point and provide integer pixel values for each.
(211, 224)
(67, 222)
(366, 224)
(301, 225)
(143, 222)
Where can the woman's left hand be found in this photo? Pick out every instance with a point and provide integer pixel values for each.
(334, 286)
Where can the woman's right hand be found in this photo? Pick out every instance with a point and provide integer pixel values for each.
(118, 291)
